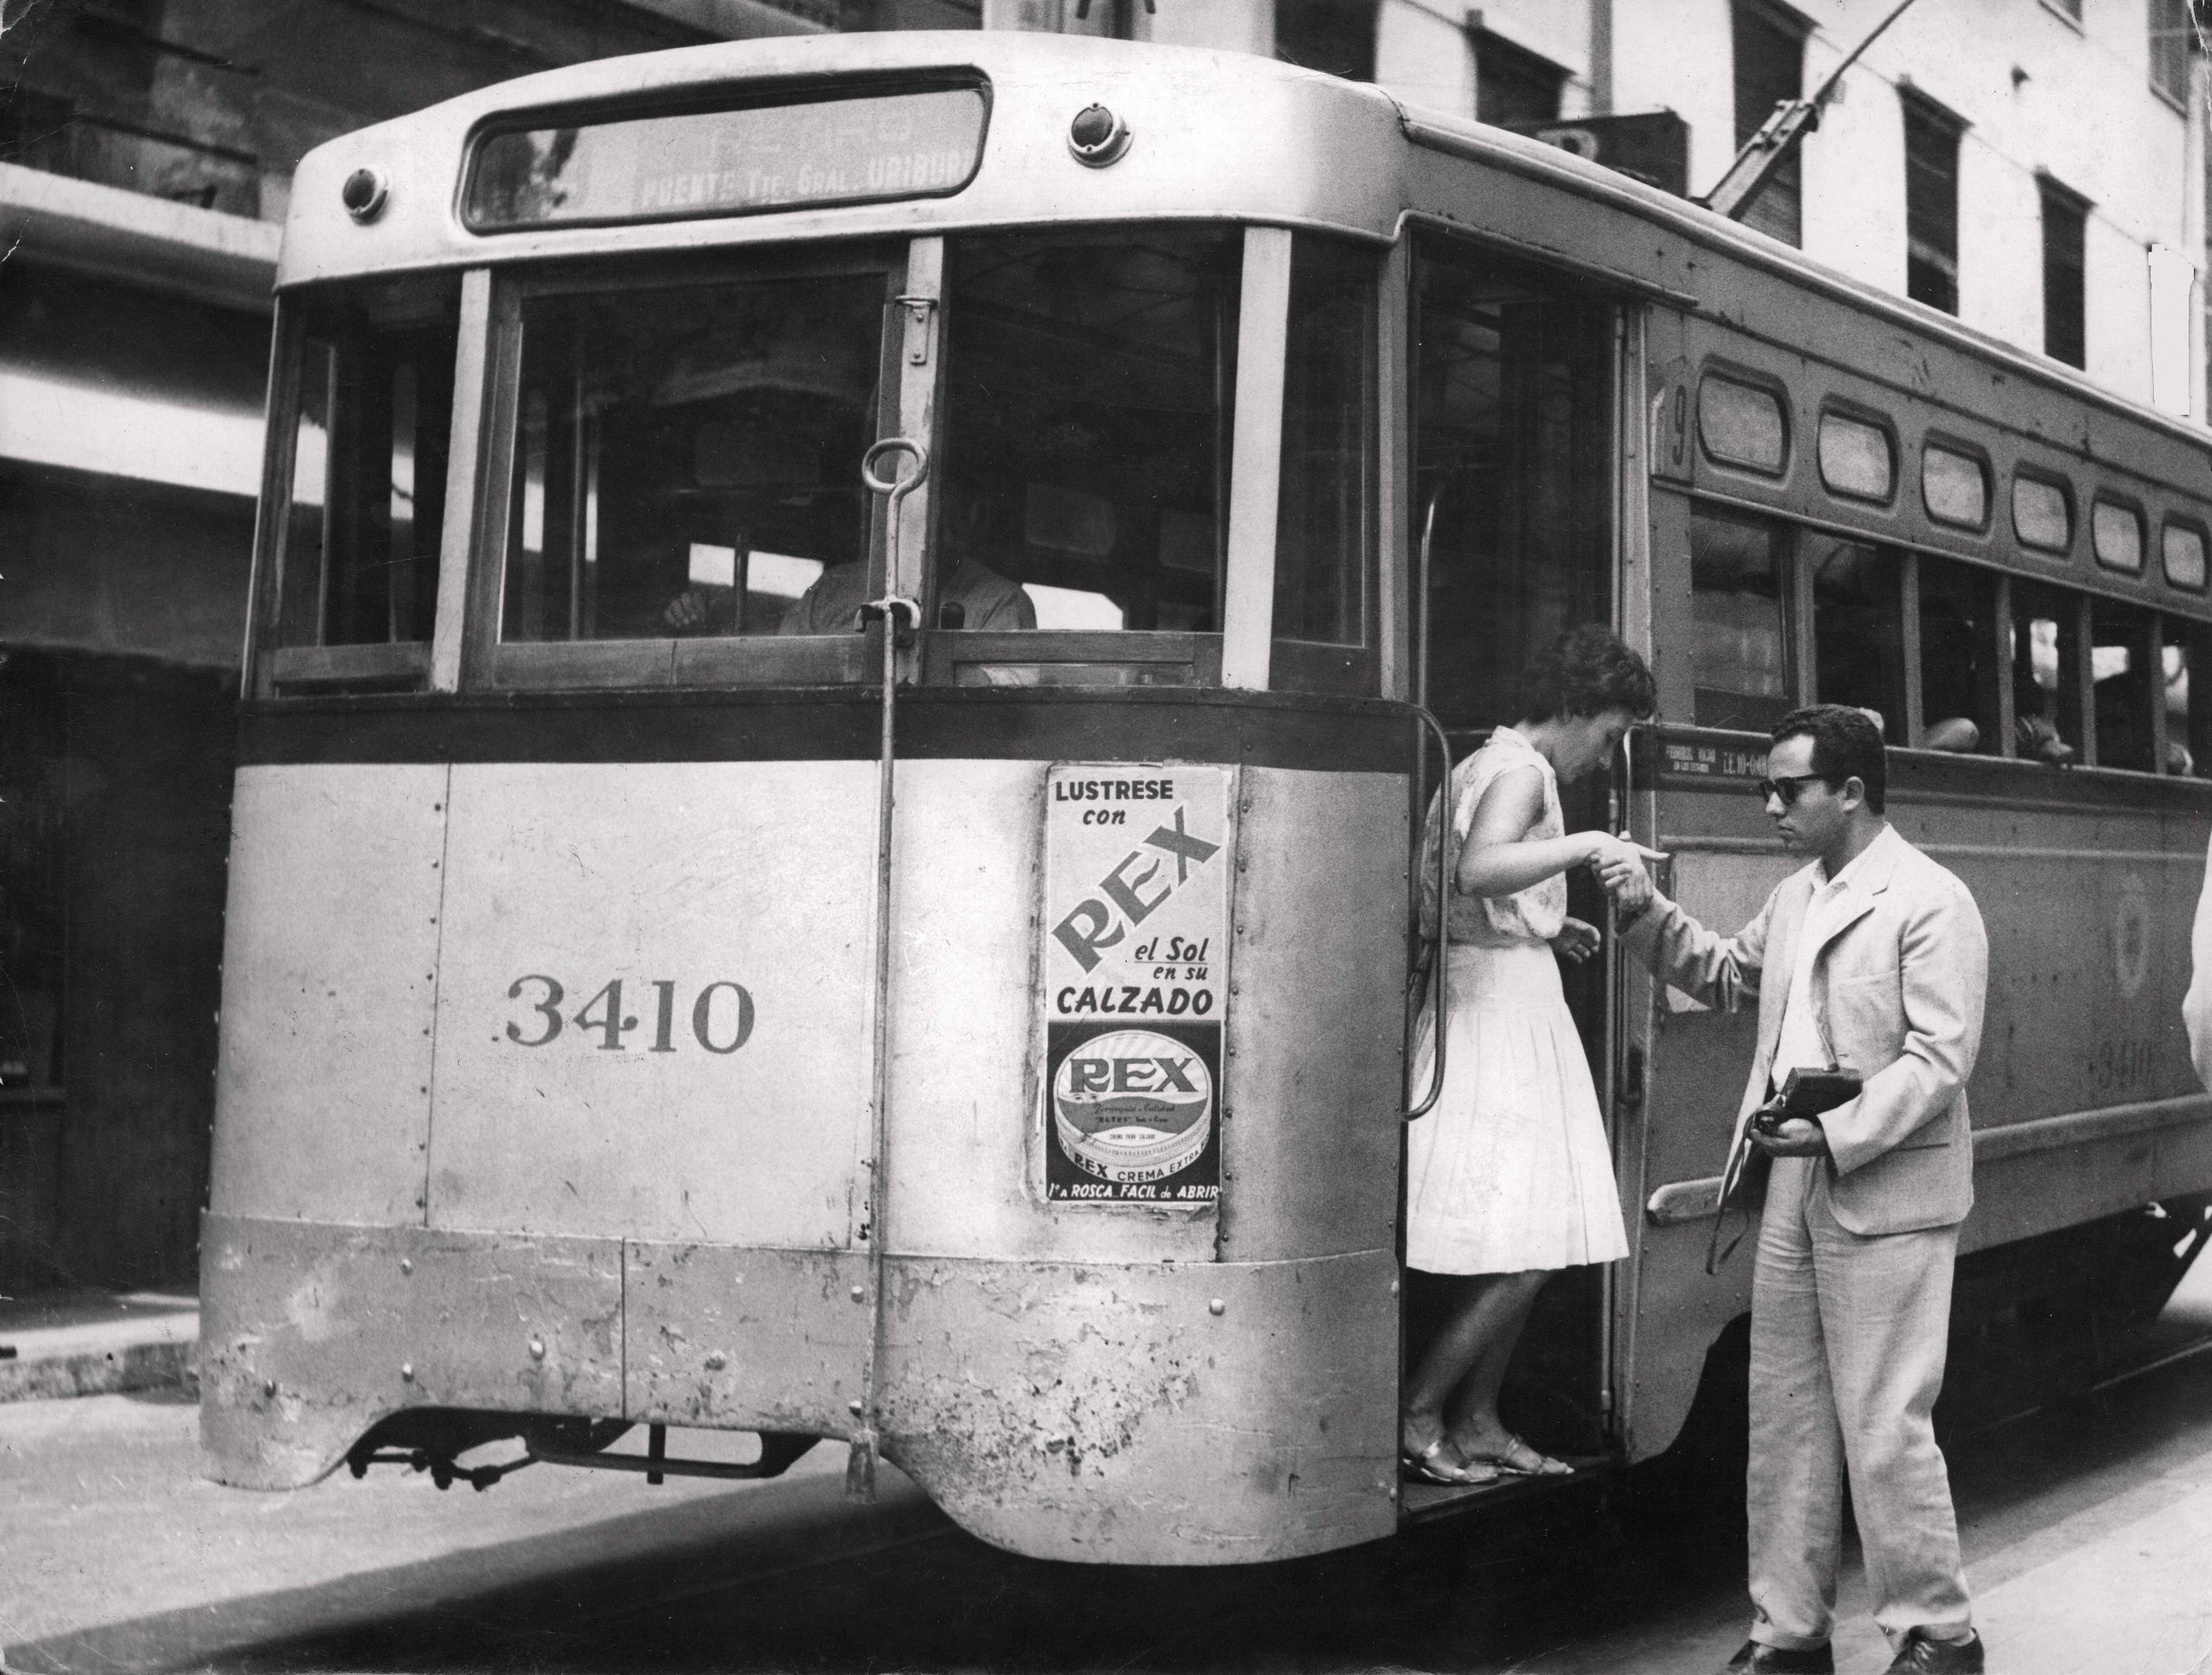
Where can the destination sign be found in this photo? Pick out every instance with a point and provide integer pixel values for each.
(850, 150)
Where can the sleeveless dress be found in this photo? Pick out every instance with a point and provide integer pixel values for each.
(1510, 1170)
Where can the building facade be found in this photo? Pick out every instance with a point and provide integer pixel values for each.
(2035, 167)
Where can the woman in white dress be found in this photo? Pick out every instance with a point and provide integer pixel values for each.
(1509, 1178)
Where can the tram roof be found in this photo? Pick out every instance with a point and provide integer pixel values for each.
(1219, 136)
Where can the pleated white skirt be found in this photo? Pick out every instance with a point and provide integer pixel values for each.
(1510, 1170)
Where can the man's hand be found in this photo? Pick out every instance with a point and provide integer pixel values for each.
(1633, 895)
(1799, 1136)
(1576, 941)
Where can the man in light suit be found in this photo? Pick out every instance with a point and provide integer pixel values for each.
(1871, 956)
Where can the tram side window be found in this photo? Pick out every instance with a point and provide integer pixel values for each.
(1739, 654)
(1859, 631)
(2120, 670)
(687, 461)
(2188, 649)
(1324, 526)
(1958, 658)
(2046, 686)
(1084, 436)
(359, 563)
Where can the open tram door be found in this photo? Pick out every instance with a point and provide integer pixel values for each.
(1516, 528)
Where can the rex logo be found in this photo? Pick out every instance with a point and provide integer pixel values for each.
(1133, 887)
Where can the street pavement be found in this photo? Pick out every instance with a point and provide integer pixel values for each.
(2088, 1534)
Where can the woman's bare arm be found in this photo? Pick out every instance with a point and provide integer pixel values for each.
(1498, 858)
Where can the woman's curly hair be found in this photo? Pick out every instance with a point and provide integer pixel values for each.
(1585, 672)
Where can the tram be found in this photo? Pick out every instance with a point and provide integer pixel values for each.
(835, 731)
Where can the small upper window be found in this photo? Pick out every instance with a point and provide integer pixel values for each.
(2183, 545)
(1856, 458)
(1955, 487)
(1742, 424)
(2171, 37)
(2116, 533)
(2042, 514)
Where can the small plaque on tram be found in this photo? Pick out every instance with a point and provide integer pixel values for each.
(860, 148)
(1134, 969)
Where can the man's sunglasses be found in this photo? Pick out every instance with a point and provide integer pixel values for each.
(1789, 787)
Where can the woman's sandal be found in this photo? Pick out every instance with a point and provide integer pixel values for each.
(1521, 1459)
(1431, 1466)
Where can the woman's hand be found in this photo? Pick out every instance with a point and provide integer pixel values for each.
(1576, 942)
(1618, 862)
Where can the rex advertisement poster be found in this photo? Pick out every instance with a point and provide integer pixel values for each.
(1137, 865)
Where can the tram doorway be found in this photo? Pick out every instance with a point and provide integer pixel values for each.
(1512, 459)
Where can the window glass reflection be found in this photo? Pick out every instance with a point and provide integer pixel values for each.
(687, 461)
(1325, 511)
(366, 504)
(1958, 657)
(1859, 631)
(2046, 689)
(1739, 655)
(2120, 663)
(1084, 436)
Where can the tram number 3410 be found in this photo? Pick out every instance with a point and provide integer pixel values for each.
(721, 1015)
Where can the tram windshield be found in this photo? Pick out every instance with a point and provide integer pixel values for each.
(686, 460)
(1085, 436)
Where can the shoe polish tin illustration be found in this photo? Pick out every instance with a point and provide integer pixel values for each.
(1135, 929)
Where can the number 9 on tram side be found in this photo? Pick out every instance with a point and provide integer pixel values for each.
(833, 744)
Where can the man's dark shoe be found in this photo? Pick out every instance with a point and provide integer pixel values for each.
(1920, 1655)
(1757, 1659)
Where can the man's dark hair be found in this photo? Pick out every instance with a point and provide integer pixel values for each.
(1846, 745)
(1585, 672)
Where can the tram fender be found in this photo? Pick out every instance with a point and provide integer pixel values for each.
(1107, 1413)
(311, 1333)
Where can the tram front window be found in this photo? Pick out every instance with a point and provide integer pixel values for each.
(1084, 440)
(686, 460)
(358, 560)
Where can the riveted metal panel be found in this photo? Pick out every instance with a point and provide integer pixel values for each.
(311, 1333)
(965, 1093)
(755, 876)
(1315, 1076)
(329, 972)
(1108, 1414)
(744, 1340)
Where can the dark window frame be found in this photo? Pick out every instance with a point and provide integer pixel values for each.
(492, 661)
(1931, 200)
(2063, 214)
(2133, 508)
(2204, 539)
(2172, 38)
(1873, 419)
(2051, 480)
(1943, 442)
(1756, 26)
(1750, 379)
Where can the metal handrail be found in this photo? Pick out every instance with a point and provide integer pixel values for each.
(1414, 1112)
(860, 1464)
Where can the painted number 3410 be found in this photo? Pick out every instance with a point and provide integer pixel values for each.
(721, 1015)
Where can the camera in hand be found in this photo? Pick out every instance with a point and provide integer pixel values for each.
(1809, 1093)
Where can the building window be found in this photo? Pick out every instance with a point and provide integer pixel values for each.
(2065, 218)
(1337, 36)
(2171, 36)
(1514, 88)
(1770, 50)
(1931, 205)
